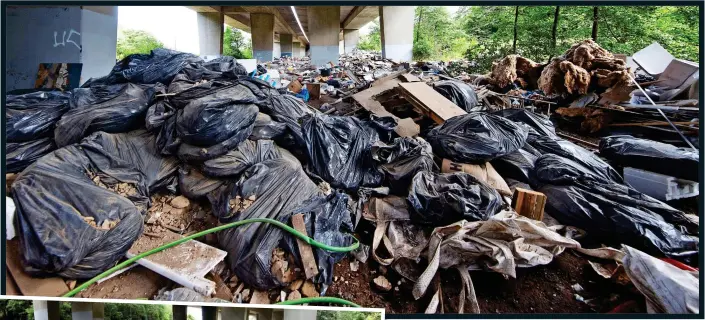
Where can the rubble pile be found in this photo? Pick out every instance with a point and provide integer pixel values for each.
(440, 178)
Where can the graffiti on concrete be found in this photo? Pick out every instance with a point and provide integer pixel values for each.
(65, 39)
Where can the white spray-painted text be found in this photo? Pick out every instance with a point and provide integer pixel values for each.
(65, 39)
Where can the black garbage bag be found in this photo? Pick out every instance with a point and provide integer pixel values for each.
(245, 155)
(567, 149)
(650, 155)
(517, 165)
(460, 93)
(194, 184)
(19, 155)
(338, 148)
(540, 123)
(57, 194)
(328, 221)
(445, 198)
(114, 109)
(182, 92)
(160, 66)
(279, 186)
(578, 197)
(32, 116)
(401, 160)
(267, 129)
(476, 137)
(224, 68)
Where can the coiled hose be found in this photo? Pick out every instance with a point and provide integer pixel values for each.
(279, 224)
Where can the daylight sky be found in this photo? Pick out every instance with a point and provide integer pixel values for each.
(175, 26)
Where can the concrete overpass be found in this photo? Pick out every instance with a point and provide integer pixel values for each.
(322, 27)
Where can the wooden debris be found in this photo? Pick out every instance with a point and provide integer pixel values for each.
(529, 203)
(483, 172)
(314, 90)
(296, 284)
(429, 102)
(406, 127)
(307, 257)
(27, 284)
(407, 77)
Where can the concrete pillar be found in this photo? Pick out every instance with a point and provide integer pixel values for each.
(351, 37)
(397, 32)
(98, 311)
(262, 27)
(179, 312)
(209, 313)
(233, 313)
(46, 310)
(341, 47)
(324, 29)
(99, 29)
(81, 311)
(210, 33)
(291, 314)
(287, 47)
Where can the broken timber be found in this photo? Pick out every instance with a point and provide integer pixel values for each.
(186, 264)
(405, 127)
(307, 258)
(529, 203)
(429, 102)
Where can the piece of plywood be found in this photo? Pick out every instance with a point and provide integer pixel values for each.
(406, 127)
(307, 258)
(186, 264)
(314, 90)
(28, 285)
(407, 77)
(430, 102)
(529, 203)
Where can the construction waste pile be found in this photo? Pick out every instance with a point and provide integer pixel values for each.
(406, 186)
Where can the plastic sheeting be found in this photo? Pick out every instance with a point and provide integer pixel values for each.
(114, 109)
(580, 197)
(338, 148)
(460, 93)
(19, 155)
(55, 194)
(652, 156)
(401, 160)
(441, 199)
(32, 116)
(476, 138)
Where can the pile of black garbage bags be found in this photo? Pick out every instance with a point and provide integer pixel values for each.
(171, 121)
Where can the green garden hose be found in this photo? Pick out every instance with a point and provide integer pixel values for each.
(319, 300)
(205, 232)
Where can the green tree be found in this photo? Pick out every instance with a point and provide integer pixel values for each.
(373, 40)
(235, 44)
(438, 35)
(135, 41)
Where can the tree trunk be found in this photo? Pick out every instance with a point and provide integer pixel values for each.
(516, 17)
(554, 29)
(594, 23)
(418, 26)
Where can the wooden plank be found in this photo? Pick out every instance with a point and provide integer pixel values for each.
(407, 77)
(436, 106)
(484, 172)
(28, 285)
(406, 127)
(307, 258)
(11, 288)
(529, 203)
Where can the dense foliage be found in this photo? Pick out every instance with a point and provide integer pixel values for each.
(135, 41)
(235, 44)
(373, 40)
(22, 309)
(348, 315)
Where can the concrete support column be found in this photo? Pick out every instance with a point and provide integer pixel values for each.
(210, 33)
(209, 313)
(179, 312)
(397, 32)
(233, 313)
(98, 311)
(324, 28)
(46, 310)
(286, 45)
(81, 311)
(351, 37)
(262, 27)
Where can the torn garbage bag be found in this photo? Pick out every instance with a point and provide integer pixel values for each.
(577, 196)
(650, 155)
(327, 220)
(338, 148)
(72, 222)
(278, 186)
(245, 155)
(114, 109)
(440, 199)
(460, 93)
(19, 155)
(401, 160)
(476, 137)
(32, 116)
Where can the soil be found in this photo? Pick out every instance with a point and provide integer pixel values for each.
(138, 283)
